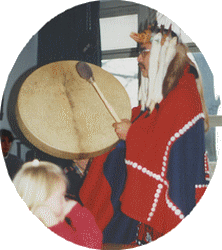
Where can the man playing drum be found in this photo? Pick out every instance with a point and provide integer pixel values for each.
(158, 172)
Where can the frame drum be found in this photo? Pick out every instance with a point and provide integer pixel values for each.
(61, 113)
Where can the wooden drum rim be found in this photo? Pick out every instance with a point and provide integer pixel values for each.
(54, 102)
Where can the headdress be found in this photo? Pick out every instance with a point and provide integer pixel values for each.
(162, 53)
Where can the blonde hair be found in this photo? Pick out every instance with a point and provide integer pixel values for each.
(35, 183)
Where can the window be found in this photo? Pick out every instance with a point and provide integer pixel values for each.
(126, 71)
(115, 32)
(116, 47)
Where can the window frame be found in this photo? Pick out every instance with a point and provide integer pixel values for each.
(121, 8)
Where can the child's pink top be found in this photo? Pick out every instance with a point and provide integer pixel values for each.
(80, 228)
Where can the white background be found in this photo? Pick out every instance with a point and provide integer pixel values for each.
(20, 20)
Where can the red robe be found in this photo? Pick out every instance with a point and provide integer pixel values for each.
(165, 159)
(149, 142)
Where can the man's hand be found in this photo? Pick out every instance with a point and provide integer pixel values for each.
(122, 128)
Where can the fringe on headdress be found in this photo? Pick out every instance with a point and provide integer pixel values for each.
(162, 52)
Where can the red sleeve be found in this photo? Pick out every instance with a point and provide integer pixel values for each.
(95, 193)
(135, 112)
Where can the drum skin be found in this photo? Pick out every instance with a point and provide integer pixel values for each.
(61, 113)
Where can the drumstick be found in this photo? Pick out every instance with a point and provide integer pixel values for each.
(86, 73)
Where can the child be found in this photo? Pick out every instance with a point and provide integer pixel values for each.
(42, 186)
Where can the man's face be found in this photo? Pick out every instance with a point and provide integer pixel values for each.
(6, 145)
(143, 59)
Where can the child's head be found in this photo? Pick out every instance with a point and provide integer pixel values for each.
(37, 182)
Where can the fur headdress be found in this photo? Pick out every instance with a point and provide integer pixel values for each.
(162, 53)
(168, 58)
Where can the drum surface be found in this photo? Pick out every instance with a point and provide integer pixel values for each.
(61, 114)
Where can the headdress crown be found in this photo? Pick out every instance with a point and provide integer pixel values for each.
(162, 53)
(147, 35)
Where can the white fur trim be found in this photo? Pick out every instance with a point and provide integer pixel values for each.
(153, 65)
(150, 91)
(143, 91)
(157, 95)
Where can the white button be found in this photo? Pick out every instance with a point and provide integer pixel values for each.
(181, 216)
(178, 212)
(170, 205)
(154, 204)
(172, 138)
(186, 126)
(177, 135)
(135, 165)
(144, 170)
(181, 131)
(173, 208)
(160, 186)
(139, 167)
(156, 195)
